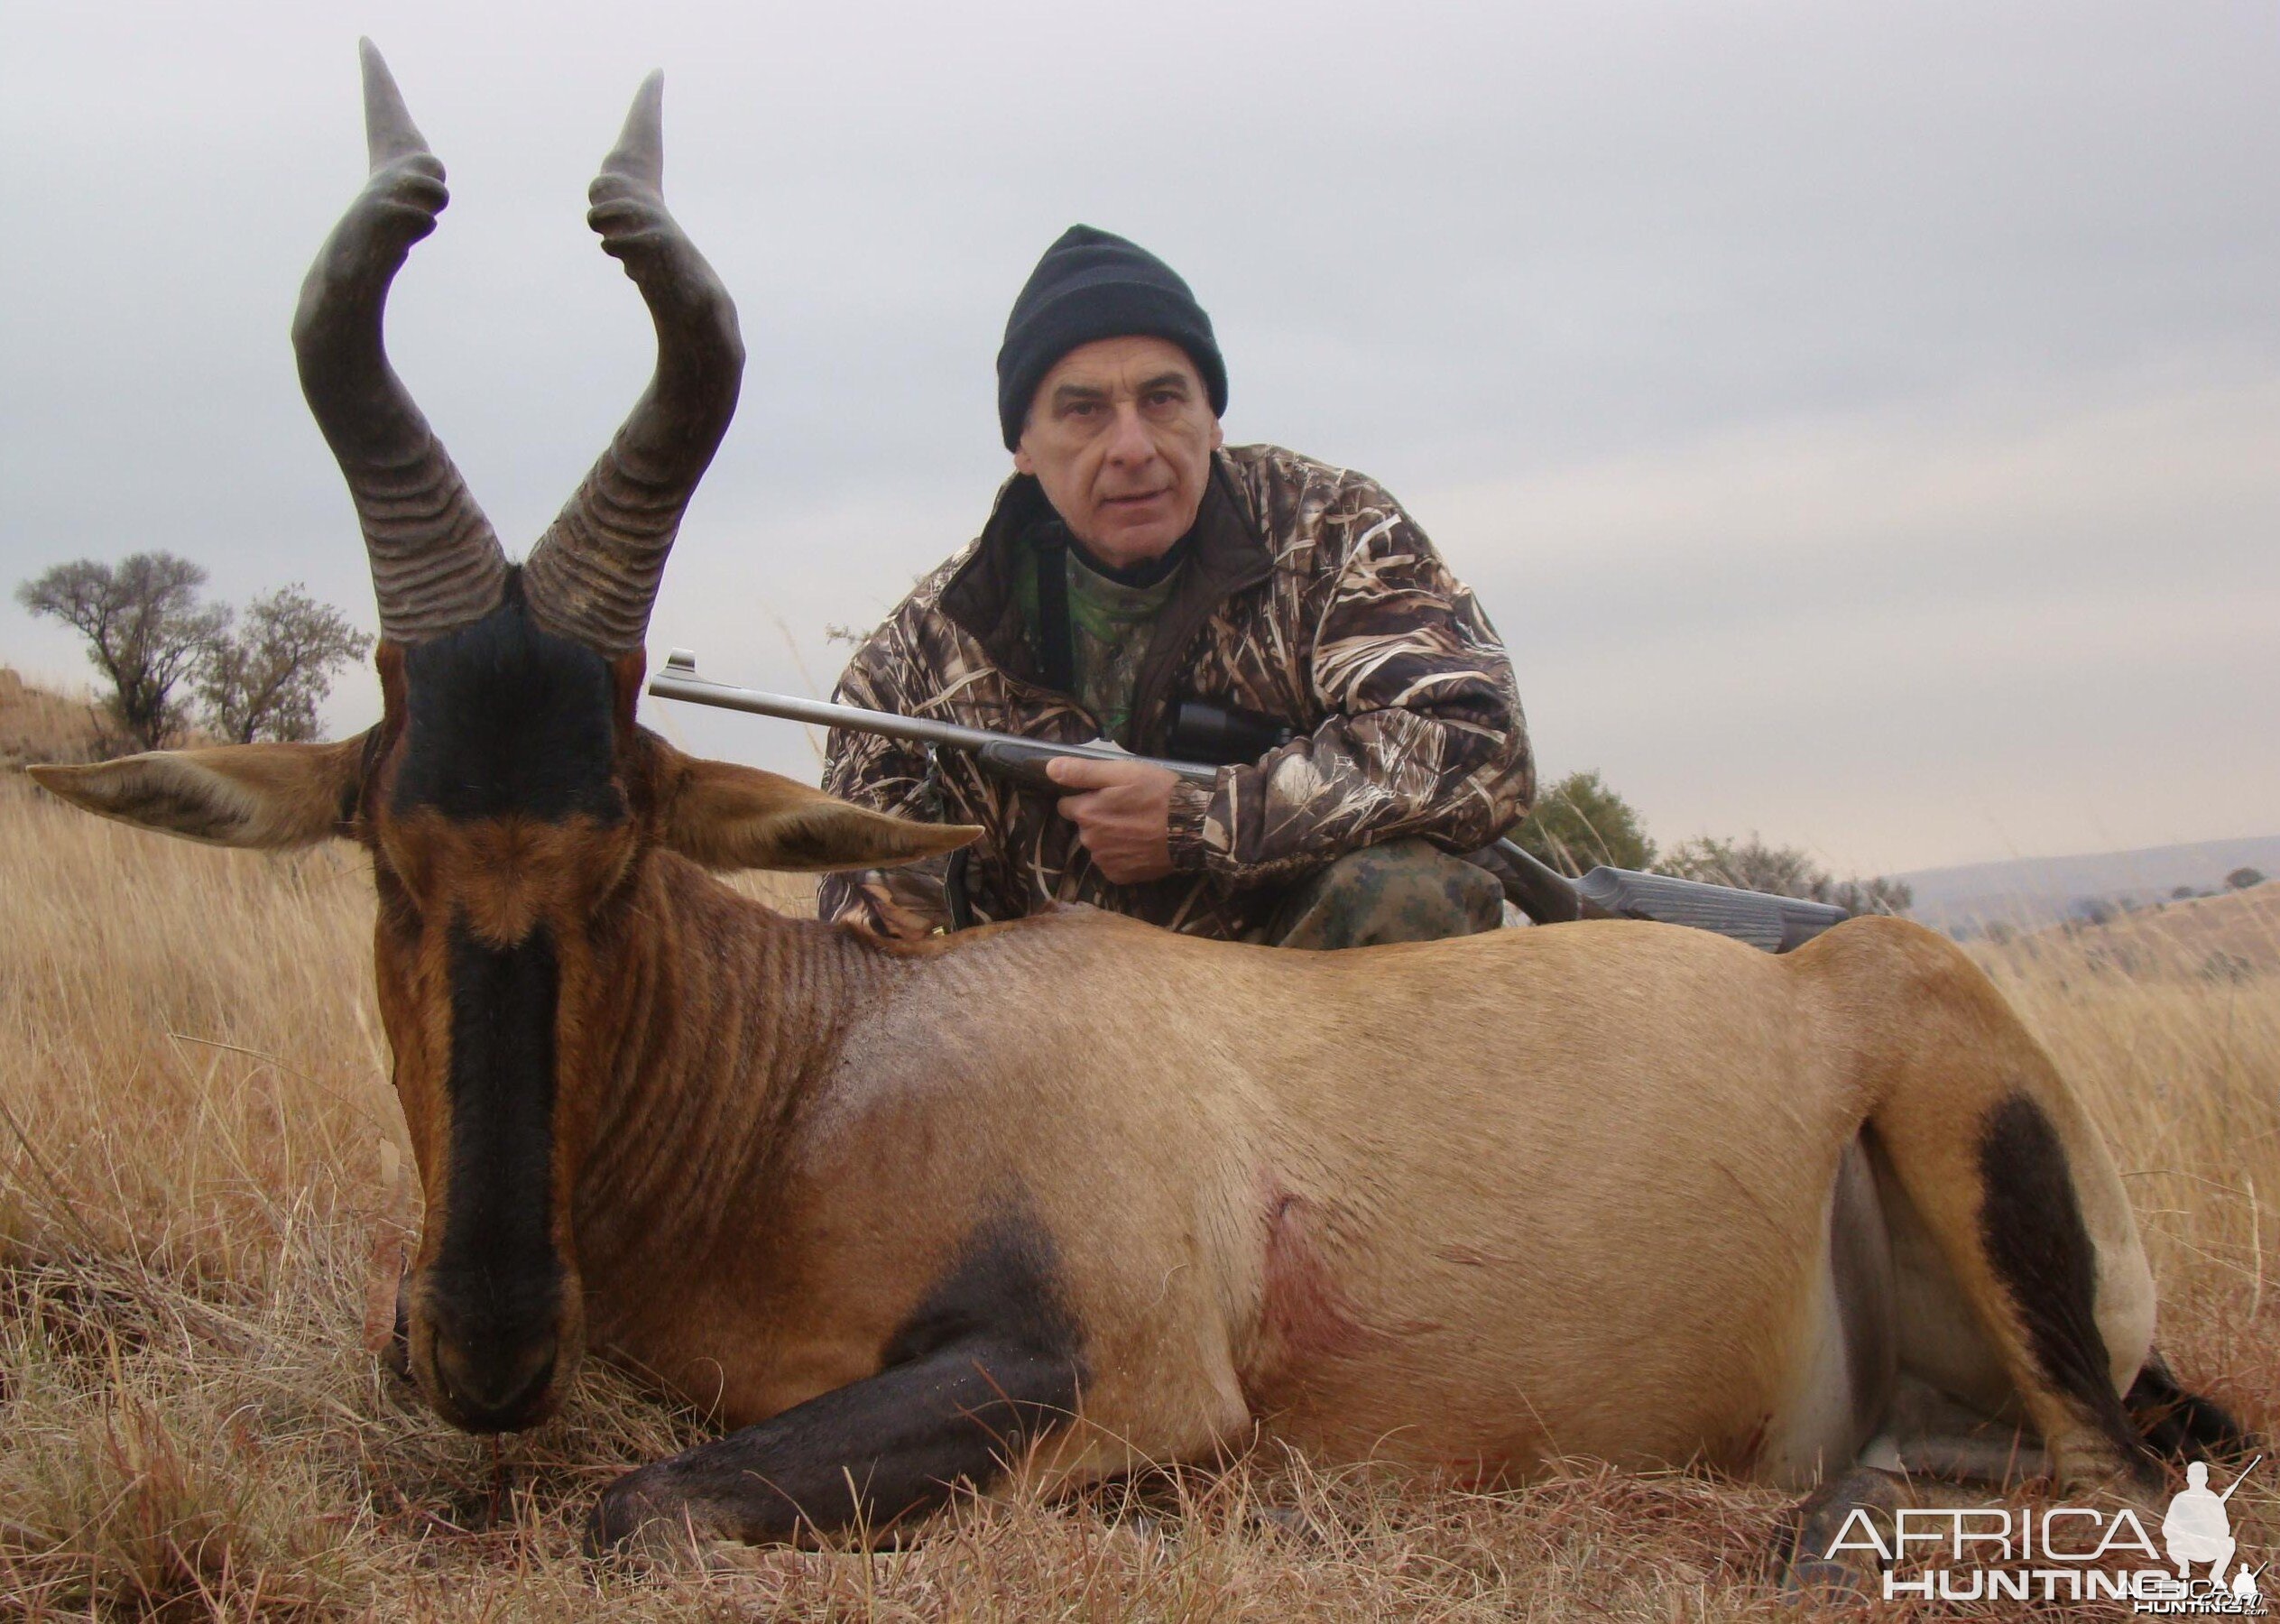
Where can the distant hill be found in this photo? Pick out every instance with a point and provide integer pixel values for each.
(38, 725)
(2030, 892)
(2231, 937)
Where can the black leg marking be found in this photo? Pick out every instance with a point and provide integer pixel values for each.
(2032, 1227)
(988, 1363)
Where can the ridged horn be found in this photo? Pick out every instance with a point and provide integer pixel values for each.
(436, 561)
(594, 574)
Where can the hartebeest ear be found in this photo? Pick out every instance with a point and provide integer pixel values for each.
(268, 797)
(727, 816)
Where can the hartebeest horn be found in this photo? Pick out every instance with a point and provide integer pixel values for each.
(436, 562)
(594, 574)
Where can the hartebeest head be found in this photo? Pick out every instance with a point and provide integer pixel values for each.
(506, 797)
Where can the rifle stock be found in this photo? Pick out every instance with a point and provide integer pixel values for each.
(1546, 896)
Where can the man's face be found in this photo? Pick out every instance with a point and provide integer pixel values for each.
(1120, 434)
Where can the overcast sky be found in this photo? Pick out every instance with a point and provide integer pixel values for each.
(1861, 420)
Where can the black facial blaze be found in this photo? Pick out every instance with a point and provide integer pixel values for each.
(497, 1281)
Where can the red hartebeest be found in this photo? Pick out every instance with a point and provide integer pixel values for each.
(1064, 1195)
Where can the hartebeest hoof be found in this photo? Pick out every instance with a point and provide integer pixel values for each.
(643, 1517)
(1809, 1571)
(2181, 1426)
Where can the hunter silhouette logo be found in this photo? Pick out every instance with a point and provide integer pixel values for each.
(2069, 1554)
(2197, 1527)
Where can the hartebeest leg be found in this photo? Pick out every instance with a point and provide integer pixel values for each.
(985, 1367)
(1999, 1188)
(869, 1454)
(2015, 1191)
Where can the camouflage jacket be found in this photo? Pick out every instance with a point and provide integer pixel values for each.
(1309, 595)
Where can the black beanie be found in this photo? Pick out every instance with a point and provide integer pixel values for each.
(1093, 284)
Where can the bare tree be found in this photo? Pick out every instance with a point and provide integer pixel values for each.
(1878, 894)
(144, 627)
(1785, 872)
(264, 674)
(1749, 864)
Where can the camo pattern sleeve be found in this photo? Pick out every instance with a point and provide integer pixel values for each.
(1420, 732)
(1316, 601)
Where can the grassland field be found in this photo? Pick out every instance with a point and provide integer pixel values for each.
(200, 1157)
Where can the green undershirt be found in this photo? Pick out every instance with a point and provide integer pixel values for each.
(1110, 624)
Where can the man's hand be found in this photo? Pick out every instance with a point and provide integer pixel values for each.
(1122, 816)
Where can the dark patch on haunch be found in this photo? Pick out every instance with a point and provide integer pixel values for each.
(506, 718)
(987, 1363)
(350, 807)
(496, 1285)
(2032, 1227)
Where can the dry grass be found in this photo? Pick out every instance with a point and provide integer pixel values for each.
(193, 1183)
(2235, 937)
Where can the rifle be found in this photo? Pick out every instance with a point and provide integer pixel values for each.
(1546, 896)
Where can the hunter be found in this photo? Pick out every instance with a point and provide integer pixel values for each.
(1135, 560)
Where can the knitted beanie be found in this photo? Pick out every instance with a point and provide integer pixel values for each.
(1093, 284)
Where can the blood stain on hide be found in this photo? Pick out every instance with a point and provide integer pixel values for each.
(1302, 1309)
(1306, 1317)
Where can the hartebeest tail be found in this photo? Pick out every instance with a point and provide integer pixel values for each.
(1064, 1195)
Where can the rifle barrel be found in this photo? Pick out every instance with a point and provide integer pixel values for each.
(679, 680)
(1776, 923)
(2243, 1478)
